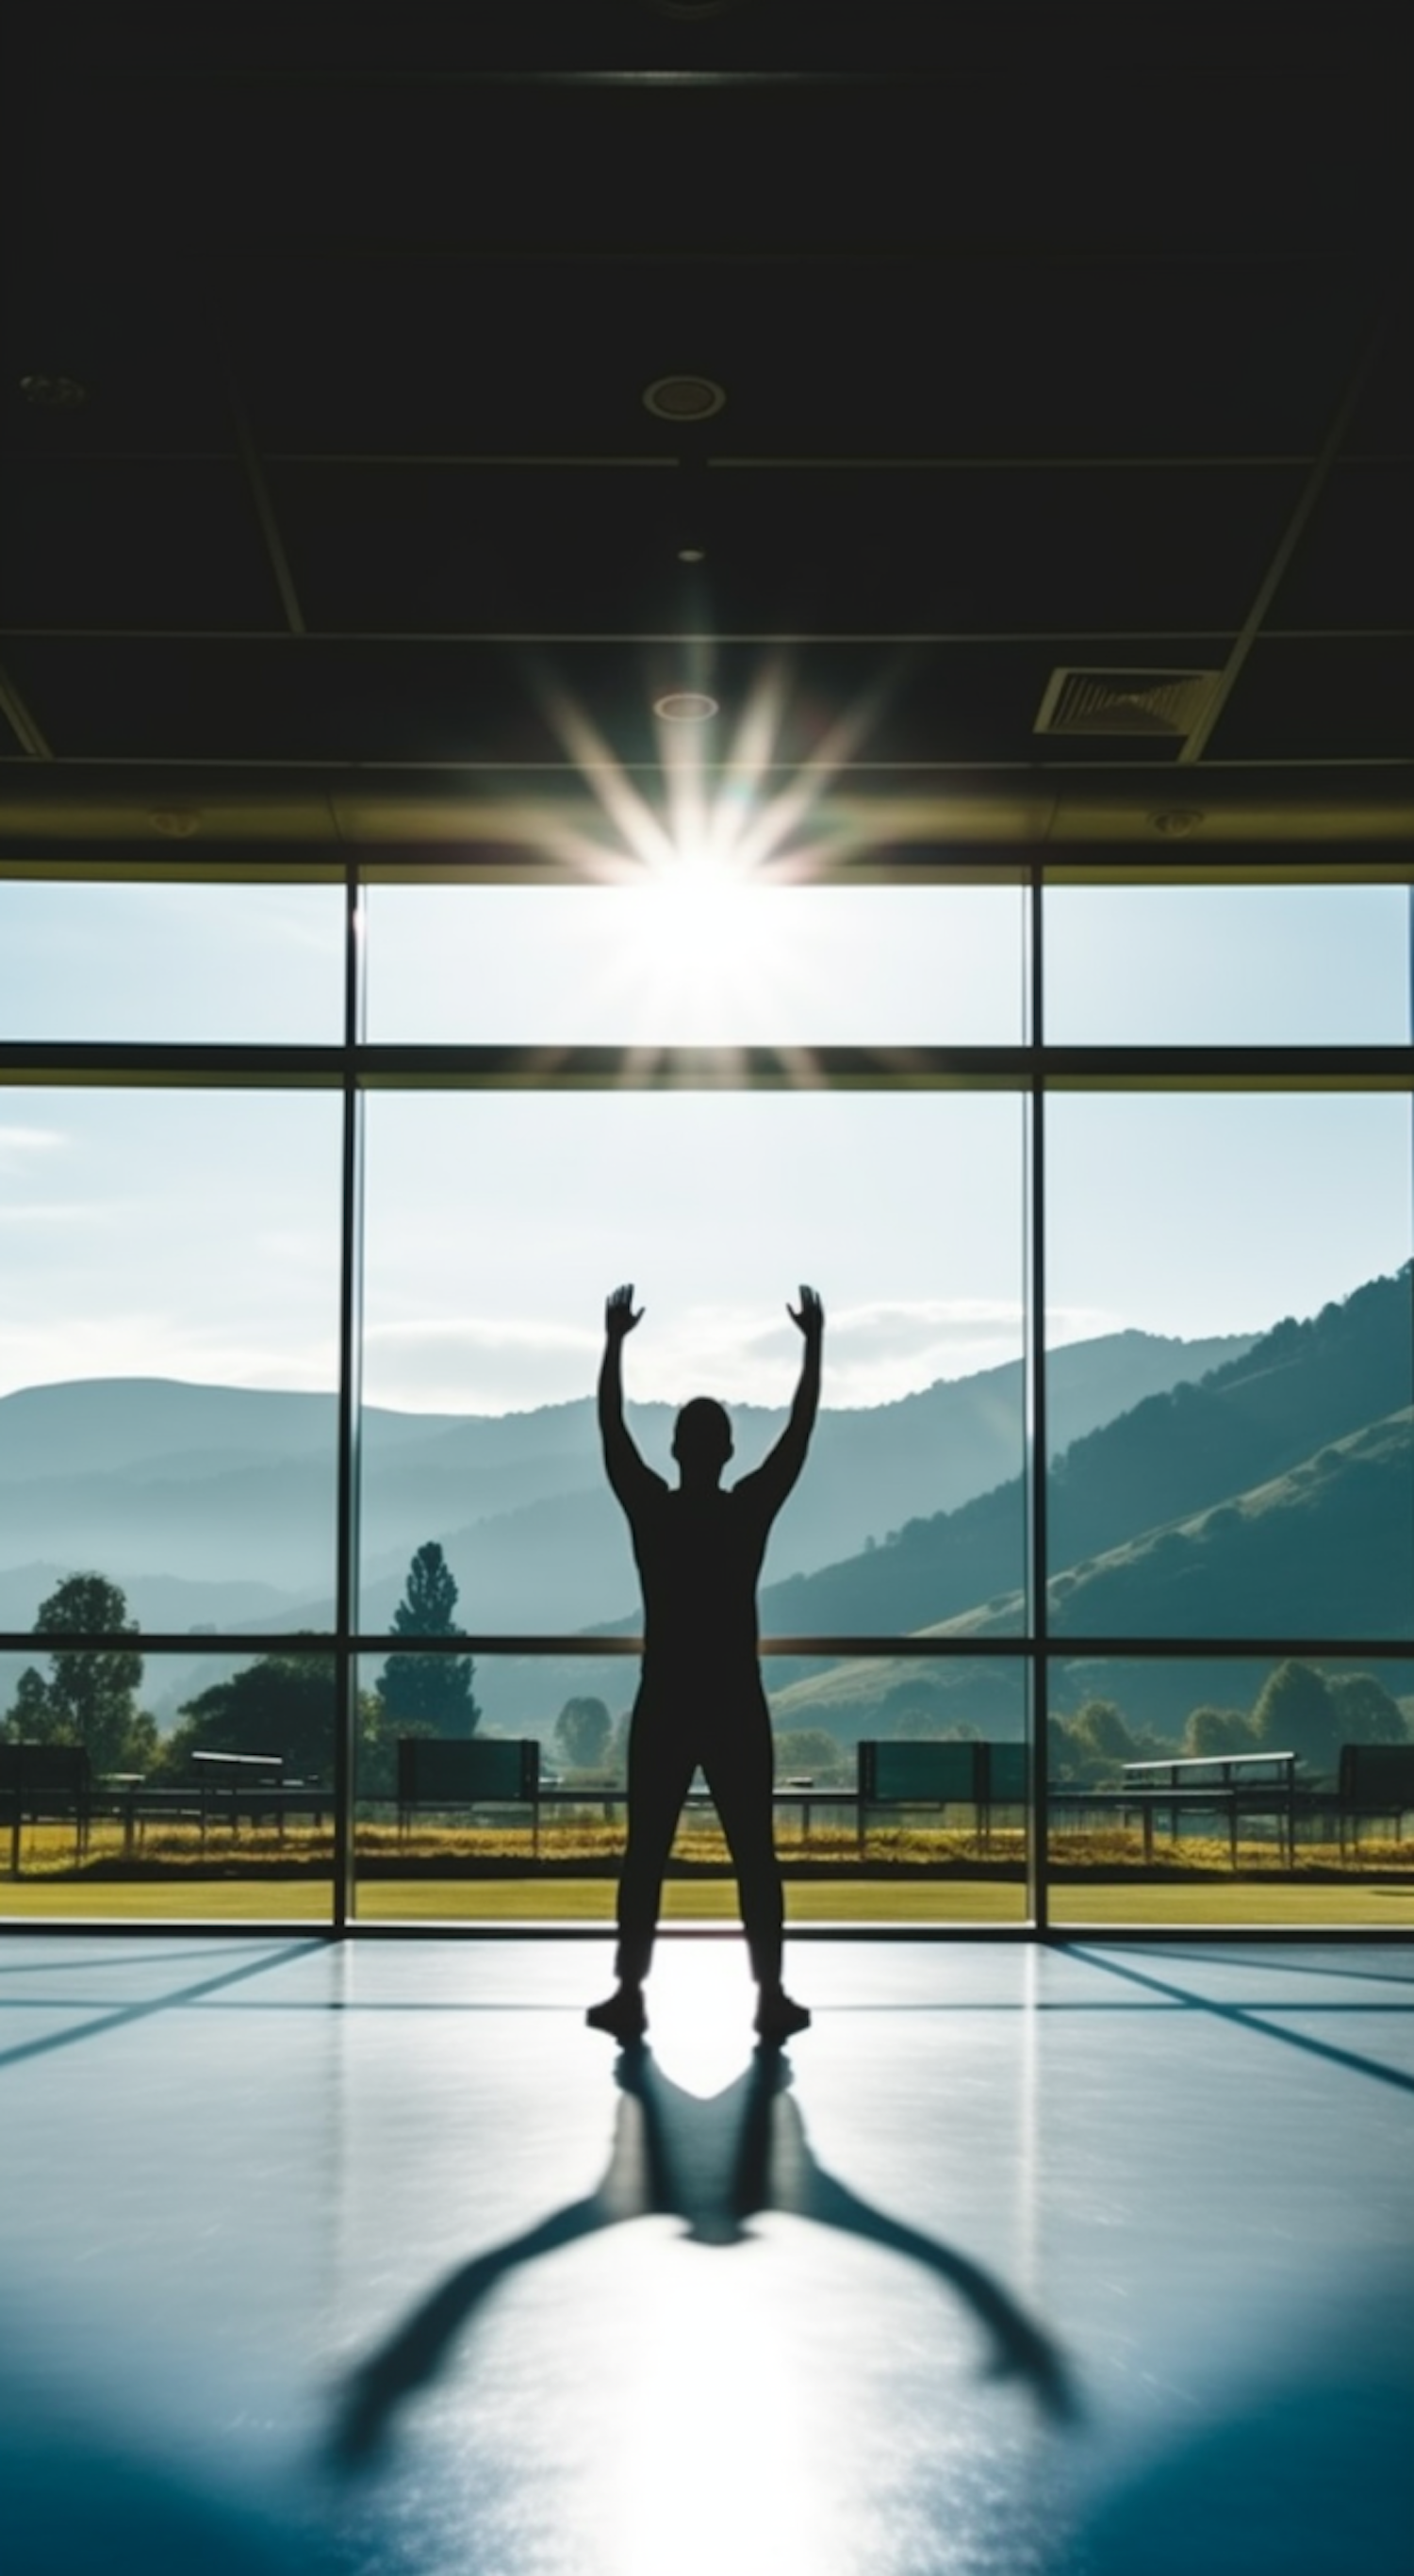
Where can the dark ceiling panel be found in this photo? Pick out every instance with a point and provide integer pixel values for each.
(135, 337)
(1355, 562)
(421, 37)
(106, 543)
(991, 551)
(892, 358)
(1339, 701)
(1039, 341)
(1384, 420)
(1183, 160)
(597, 550)
(453, 356)
(307, 701)
(480, 549)
(275, 701)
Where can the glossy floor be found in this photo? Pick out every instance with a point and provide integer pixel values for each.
(373, 2257)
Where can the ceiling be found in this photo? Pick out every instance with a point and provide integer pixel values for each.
(331, 510)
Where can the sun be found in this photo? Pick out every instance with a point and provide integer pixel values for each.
(710, 937)
(709, 946)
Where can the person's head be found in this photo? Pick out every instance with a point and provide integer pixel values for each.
(702, 1439)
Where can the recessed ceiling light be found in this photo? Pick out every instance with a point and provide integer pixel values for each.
(1177, 821)
(686, 706)
(683, 397)
(54, 393)
(692, 554)
(175, 822)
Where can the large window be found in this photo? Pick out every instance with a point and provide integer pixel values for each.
(310, 1195)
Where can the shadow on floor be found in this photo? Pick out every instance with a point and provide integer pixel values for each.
(714, 2164)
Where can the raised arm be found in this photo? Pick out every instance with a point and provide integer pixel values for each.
(624, 1467)
(777, 1473)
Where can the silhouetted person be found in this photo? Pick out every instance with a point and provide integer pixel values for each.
(700, 1700)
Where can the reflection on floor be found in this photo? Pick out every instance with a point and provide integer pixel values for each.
(374, 2258)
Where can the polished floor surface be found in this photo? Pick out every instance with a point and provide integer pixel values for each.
(373, 2257)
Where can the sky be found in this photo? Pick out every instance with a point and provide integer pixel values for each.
(195, 1235)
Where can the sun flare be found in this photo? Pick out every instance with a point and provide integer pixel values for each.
(709, 946)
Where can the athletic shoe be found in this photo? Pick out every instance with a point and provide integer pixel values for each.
(623, 2015)
(779, 2017)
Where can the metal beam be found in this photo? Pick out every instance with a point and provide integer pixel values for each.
(1198, 740)
(547, 1067)
(21, 722)
(259, 491)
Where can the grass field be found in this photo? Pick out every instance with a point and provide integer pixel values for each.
(1261, 1904)
(912, 1875)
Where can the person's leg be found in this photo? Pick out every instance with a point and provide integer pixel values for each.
(740, 1773)
(660, 1768)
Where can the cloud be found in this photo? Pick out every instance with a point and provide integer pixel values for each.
(15, 1213)
(19, 1146)
(152, 1345)
(874, 1354)
(495, 1364)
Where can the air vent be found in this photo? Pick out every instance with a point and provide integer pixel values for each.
(1125, 702)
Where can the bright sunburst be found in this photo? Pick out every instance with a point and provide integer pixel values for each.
(715, 947)
(704, 921)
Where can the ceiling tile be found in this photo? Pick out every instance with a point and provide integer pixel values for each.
(132, 543)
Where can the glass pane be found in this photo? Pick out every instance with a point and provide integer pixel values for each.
(696, 959)
(168, 1353)
(142, 1787)
(495, 1225)
(1189, 965)
(209, 964)
(1276, 1497)
(1233, 1790)
(520, 1814)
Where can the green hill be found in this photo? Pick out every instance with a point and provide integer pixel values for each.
(1301, 1390)
(1326, 1549)
(1310, 1542)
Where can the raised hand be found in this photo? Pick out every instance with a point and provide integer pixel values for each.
(619, 1317)
(809, 1319)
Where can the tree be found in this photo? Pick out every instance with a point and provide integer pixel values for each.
(90, 1696)
(913, 1709)
(1210, 1732)
(28, 1721)
(582, 1731)
(283, 1704)
(615, 1763)
(1060, 1752)
(1097, 1741)
(812, 1751)
(1099, 1727)
(429, 1692)
(1295, 1713)
(1366, 1713)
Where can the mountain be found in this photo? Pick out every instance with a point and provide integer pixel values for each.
(1319, 1541)
(1272, 1494)
(1259, 1416)
(1326, 1549)
(152, 1480)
